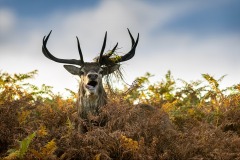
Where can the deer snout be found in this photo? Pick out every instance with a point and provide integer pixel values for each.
(92, 76)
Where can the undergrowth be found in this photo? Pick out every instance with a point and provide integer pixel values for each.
(196, 121)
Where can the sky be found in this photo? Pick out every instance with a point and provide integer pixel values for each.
(189, 38)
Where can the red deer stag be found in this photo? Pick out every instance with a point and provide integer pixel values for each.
(91, 94)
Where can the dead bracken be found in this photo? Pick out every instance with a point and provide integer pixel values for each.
(37, 124)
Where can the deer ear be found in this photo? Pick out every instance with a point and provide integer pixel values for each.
(72, 69)
(109, 70)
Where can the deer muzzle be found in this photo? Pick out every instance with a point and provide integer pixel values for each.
(91, 85)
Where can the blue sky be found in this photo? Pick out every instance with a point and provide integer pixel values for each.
(187, 37)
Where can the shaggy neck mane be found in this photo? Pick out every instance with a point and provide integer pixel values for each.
(90, 104)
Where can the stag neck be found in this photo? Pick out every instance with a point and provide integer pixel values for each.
(90, 103)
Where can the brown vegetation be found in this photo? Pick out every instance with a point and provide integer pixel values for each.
(204, 122)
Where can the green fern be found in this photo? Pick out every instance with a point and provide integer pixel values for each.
(23, 148)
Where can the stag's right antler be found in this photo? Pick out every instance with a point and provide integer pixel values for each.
(68, 61)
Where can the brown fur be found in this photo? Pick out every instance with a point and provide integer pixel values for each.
(90, 103)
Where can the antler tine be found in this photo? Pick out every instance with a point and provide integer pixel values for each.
(131, 53)
(44, 48)
(107, 60)
(111, 52)
(80, 51)
(103, 48)
(50, 56)
(132, 39)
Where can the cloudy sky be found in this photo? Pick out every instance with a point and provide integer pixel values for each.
(187, 37)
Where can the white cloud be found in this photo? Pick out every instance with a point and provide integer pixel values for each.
(7, 19)
(186, 55)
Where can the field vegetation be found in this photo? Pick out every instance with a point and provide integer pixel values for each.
(197, 120)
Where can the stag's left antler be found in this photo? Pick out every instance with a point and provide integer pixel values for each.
(108, 61)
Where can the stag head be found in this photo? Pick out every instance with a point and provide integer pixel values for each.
(91, 73)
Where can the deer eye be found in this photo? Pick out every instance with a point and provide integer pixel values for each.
(101, 71)
(81, 72)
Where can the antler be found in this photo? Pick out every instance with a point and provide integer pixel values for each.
(103, 48)
(131, 53)
(68, 61)
(102, 59)
(106, 60)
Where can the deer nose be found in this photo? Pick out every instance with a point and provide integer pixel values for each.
(92, 76)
